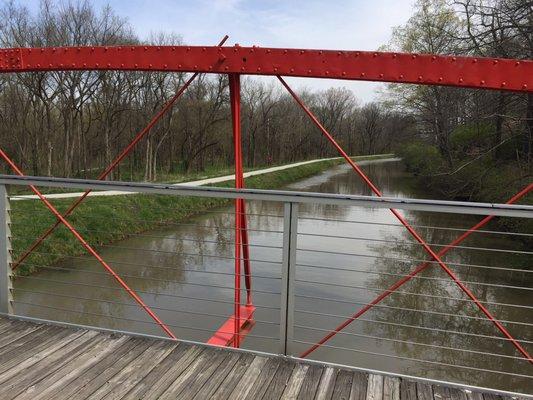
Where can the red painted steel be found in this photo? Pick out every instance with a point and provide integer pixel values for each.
(113, 164)
(409, 228)
(416, 271)
(87, 247)
(427, 69)
(238, 320)
(225, 335)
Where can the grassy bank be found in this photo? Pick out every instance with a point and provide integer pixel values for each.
(103, 220)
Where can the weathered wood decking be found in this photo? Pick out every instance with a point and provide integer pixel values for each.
(50, 362)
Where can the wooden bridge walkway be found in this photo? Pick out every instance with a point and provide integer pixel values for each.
(39, 361)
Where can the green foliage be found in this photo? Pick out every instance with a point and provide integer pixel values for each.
(421, 158)
(470, 138)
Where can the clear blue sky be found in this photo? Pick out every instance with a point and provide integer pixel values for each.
(327, 24)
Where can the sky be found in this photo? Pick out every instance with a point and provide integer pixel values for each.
(319, 24)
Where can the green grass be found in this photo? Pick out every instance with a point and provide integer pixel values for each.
(103, 220)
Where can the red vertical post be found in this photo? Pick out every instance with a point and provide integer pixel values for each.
(235, 100)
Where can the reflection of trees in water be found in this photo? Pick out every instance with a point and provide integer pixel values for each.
(444, 291)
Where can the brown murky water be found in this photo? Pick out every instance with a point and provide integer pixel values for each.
(346, 256)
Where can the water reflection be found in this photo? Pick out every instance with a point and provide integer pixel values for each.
(186, 271)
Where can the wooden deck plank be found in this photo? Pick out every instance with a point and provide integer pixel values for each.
(327, 382)
(174, 373)
(21, 353)
(49, 387)
(55, 367)
(101, 376)
(133, 372)
(19, 338)
(245, 384)
(408, 390)
(205, 374)
(343, 385)
(218, 377)
(374, 389)
(261, 384)
(310, 382)
(16, 331)
(235, 375)
(20, 383)
(279, 381)
(206, 358)
(470, 395)
(40, 361)
(144, 385)
(128, 349)
(424, 391)
(26, 364)
(295, 382)
(391, 388)
(359, 386)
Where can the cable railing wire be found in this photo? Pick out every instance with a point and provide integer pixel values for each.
(409, 342)
(418, 360)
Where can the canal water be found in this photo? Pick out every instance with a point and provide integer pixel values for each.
(346, 257)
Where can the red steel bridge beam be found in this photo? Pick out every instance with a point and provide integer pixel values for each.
(91, 251)
(242, 317)
(409, 228)
(113, 164)
(426, 69)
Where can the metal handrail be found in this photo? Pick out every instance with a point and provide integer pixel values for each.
(456, 207)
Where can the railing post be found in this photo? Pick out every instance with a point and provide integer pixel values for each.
(6, 283)
(290, 233)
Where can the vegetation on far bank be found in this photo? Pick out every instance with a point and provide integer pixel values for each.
(103, 220)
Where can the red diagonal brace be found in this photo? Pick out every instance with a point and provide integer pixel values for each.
(416, 271)
(56, 213)
(113, 165)
(409, 228)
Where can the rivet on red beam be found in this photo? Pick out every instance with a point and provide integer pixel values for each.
(524, 86)
(413, 56)
(460, 80)
(504, 84)
(482, 82)
(362, 74)
(517, 63)
(292, 69)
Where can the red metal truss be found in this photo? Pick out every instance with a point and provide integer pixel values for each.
(242, 319)
(90, 250)
(427, 69)
(408, 226)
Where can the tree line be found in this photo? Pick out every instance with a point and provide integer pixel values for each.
(474, 144)
(74, 123)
